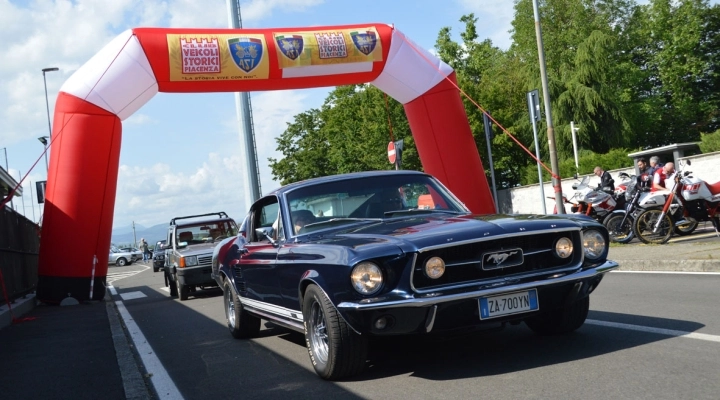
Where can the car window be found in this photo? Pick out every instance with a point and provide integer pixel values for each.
(372, 197)
(265, 216)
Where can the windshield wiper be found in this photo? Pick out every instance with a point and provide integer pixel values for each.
(421, 211)
(339, 221)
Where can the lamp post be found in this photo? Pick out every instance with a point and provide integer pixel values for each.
(47, 103)
(43, 140)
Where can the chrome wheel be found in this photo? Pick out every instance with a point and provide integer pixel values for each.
(230, 310)
(318, 333)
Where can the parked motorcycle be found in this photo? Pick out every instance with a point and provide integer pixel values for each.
(596, 203)
(688, 201)
(620, 222)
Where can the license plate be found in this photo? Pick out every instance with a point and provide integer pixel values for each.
(506, 304)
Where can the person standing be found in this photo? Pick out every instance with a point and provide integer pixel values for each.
(655, 165)
(145, 249)
(606, 181)
(661, 175)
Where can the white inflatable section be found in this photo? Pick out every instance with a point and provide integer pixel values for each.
(118, 78)
(408, 74)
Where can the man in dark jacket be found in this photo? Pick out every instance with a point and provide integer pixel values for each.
(606, 181)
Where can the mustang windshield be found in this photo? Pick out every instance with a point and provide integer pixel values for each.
(367, 198)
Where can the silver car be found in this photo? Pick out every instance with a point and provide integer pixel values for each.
(119, 257)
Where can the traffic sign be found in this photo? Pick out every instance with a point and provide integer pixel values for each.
(391, 152)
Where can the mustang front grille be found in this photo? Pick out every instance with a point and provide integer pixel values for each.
(499, 258)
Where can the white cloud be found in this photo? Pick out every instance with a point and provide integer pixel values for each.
(259, 9)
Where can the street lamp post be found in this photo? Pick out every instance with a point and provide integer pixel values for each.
(43, 140)
(47, 103)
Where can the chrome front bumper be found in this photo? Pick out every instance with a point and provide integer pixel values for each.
(429, 299)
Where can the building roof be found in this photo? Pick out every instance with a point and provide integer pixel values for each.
(8, 183)
(666, 149)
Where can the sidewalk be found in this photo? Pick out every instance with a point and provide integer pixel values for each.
(695, 253)
(74, 352)
(83, 352)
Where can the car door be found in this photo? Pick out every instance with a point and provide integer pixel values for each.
(258, 263)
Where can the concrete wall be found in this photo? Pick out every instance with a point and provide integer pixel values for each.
(527, 200)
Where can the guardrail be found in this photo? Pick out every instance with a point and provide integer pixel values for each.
(19, 250)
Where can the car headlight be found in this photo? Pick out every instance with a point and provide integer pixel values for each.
(563, 247)
(594, 244)
(434, 267)
(188, 261)
(366, 278)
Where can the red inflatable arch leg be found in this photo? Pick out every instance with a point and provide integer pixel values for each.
(80, 201)
(446, 145)
(131, 69)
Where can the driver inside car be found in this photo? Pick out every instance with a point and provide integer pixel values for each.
(300, 218)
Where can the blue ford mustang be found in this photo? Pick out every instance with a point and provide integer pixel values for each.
(346, 257)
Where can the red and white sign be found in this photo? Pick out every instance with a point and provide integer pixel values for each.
(391, 152)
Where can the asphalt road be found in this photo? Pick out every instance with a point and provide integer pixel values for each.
(648, 336)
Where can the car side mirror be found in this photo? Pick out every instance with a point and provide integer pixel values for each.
(265, 233)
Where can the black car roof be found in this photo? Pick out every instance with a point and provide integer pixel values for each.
(340, 177)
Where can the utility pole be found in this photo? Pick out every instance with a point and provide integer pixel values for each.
(574, 130)
(134, 238)
(244, 112)
(548, 115)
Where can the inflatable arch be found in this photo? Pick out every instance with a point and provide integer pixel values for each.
(139, 63)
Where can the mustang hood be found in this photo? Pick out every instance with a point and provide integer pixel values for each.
(430, 230)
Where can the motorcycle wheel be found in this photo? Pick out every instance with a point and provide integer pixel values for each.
(645, 224)
(685, 229)
(619, 234)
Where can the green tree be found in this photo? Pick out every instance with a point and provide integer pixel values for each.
(349, 133)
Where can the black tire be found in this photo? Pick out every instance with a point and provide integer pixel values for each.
(156, 268)
(241, 324)
(685, 229)
(335, 350)
(121, 262)
(644, 227)
(171, 283)
(619, 234)
(183, 290)
(560, 320)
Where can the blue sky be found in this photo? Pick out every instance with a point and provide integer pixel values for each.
(172, 164)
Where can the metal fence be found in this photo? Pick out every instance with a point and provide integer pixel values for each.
(19, 250)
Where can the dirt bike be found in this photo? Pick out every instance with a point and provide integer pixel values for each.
(689, 201)
(620, 222)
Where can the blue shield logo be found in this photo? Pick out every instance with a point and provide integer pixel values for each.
(290, 46)
(364, 42)
(246, 52)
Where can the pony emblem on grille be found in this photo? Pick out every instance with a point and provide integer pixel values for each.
(502, 259)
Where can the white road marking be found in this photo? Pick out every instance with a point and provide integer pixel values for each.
(132, 295)
(160, 379)
(112, 290)
(666, 272)
(116, 276)
(661, 331)
(165, 288)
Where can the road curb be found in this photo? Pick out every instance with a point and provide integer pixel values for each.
(670, 265)
(19, 307)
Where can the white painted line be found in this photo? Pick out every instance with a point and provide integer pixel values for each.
(164, 386)
(112, 290)
(666, 272)
(132, 295)
(165, 289)
(668, 332)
